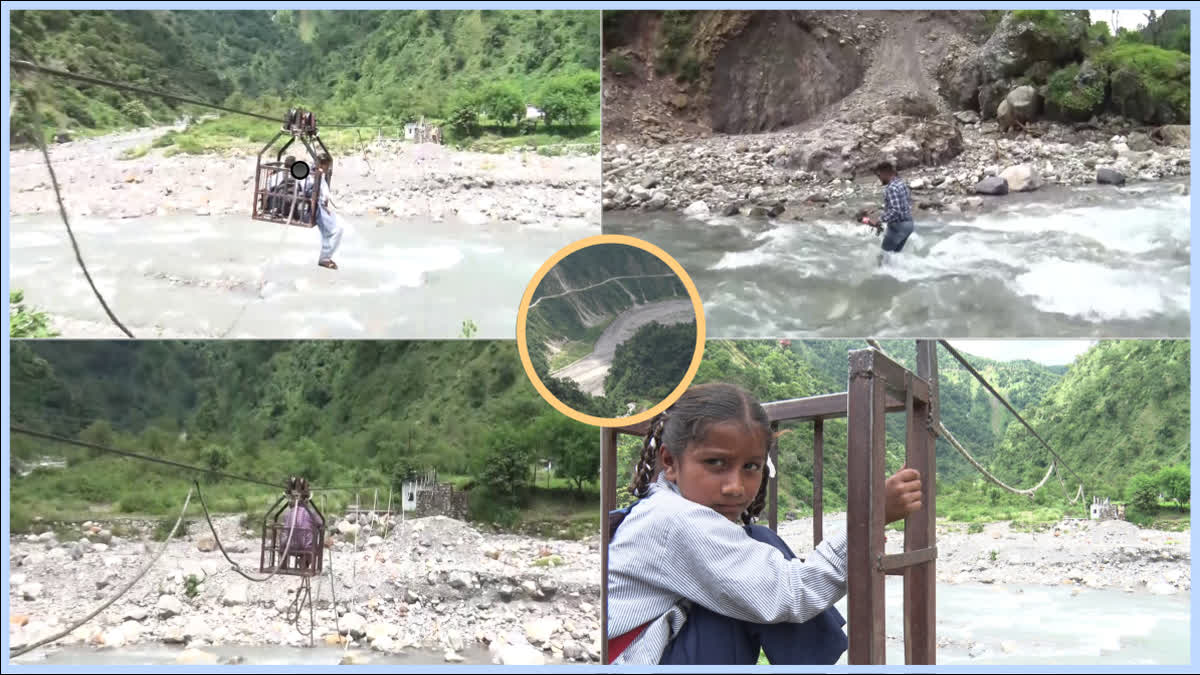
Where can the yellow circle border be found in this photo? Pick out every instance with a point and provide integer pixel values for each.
(523, 315)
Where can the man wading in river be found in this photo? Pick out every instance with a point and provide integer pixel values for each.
(897, 209)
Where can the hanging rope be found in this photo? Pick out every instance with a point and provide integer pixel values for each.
(362, 146)
(29, 65)
(1078, 493)
(31, 101)
(1006, 404)
(236, 567)
(17, 651)
(942, 431)
(945, 433)
(125, 453)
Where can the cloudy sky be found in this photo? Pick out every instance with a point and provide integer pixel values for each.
(1131, 19)
(1046, 352)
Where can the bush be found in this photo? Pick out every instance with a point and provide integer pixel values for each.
(163, 529)
(1149, 84)
(1072, 96)
(135, 111)
(689, 70)
(1143, 493)
(619, 64)
(26, 322)
(463, 123)
(1175, 482)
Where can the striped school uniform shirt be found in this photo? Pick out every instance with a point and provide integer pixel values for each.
(670, 552)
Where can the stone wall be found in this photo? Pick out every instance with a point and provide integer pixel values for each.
(440, 500)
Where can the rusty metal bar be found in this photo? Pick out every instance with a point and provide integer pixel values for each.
(865, 511)
(818, 481)
(608, 503)
(920, 528)
(898, 563)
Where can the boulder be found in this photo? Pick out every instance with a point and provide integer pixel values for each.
(1021, 105)
(519, 655)
(1022, 178)
(235, 594)
(1174, 135)
(696, 209)
(992, 185)
(1025, 46)
(168, 606)
(1109, 176)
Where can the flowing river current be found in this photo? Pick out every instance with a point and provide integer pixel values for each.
(1091, 261)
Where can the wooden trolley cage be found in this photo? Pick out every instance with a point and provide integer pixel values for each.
(278, 196)
(877, 386)
(298, 551)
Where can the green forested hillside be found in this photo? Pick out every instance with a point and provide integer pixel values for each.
(364, 413)
(350, 66)
(1122, 409)
(340, 413)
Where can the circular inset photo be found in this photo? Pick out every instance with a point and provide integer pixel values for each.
(611, 330)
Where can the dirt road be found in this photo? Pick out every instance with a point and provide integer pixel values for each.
(590, 371)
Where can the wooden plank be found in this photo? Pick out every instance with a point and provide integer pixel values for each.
(878, 520)
(897, 563)
(898, 378)
(818, 481)
(920, 529)
(864, 526)
(823, 407)
(608, 503)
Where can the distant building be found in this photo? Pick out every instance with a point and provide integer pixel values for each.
(532, 112)
(1103, 509)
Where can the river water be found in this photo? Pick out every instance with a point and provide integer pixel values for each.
(1083, 262)
(976, 624)
(1047, 625)
(214, 276)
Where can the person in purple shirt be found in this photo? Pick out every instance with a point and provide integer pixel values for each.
(302, 524)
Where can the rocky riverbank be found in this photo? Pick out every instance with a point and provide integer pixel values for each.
(1107, 554)
(825, 172)
(432, 584)
(384, 181)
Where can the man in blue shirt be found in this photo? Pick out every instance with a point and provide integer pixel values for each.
(897, 208)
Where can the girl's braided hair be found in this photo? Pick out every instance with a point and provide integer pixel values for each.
(688, 421)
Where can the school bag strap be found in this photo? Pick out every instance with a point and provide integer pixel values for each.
(615, 518)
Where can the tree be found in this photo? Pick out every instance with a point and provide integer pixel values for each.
(1143, 493)
(565, 100)
(216, 458)
(1176, 483)
(504, 471)
(571, 445)
(503, 103)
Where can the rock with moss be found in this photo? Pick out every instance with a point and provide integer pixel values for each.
(1023, 38)
(1149, 84)
(1075, 93)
